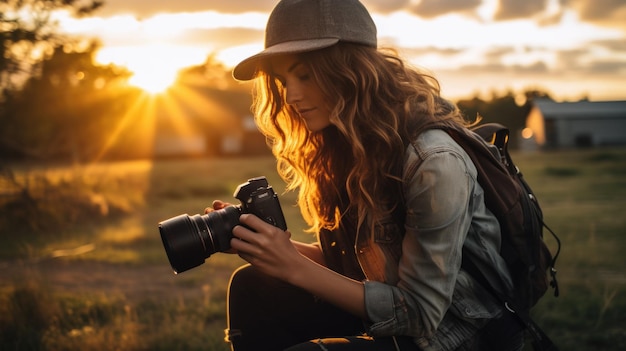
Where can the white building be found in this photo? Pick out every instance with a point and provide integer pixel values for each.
(578, 124)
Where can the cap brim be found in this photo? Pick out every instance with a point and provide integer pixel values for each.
(248, 68)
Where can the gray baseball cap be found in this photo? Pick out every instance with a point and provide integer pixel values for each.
(296, 26)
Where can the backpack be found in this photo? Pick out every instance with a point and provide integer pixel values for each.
(517, 209)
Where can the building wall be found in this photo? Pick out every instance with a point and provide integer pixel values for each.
(586, 132)
(590, 132)
(578, 124)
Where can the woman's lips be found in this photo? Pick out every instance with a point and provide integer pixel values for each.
(303, 112)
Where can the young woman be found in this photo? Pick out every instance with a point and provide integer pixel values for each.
(394, 201)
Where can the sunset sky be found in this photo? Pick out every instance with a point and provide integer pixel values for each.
(570, 48)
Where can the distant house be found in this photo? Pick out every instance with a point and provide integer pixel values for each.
(577, 124)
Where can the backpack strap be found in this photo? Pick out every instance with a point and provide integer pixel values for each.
(497, 135)
(541, 341)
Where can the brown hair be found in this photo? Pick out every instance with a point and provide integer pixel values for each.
(355, 164)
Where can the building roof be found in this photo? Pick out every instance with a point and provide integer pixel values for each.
(581, 109)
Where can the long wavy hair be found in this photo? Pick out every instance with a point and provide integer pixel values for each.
(354, 165)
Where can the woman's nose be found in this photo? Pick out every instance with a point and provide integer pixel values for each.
(293, 94)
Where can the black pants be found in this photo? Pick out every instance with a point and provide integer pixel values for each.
(265, 313)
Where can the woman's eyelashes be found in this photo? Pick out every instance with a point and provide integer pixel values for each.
(303, 77)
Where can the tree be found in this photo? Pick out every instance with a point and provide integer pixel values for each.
(66, 110)
(28, 33)
(29, 39)
(501, 109)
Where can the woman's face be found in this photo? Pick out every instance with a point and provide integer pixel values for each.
(301, 91)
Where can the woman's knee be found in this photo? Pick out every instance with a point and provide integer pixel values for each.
(248, 282)
(242, 277)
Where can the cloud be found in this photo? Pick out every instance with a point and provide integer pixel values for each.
(610, 67)
(538, 67)
(221, 38)
(612, 45)
(595, 10)
(538, 61)
(143, 9)
(611, 13)
(431, 50)
(570, 60)
(511, 9)
(434, 8)
(493, 41)
(385, 6)
(550, 19)
(581, 61)
(497, 53)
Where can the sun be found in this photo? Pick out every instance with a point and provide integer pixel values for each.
(153, 80)
(154, 67)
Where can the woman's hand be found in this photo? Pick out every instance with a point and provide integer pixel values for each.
(216, 205)
(266, 247)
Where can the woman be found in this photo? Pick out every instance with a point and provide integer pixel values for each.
(393, 200)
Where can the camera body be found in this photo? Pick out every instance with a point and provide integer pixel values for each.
(258, 198)
(189, 240)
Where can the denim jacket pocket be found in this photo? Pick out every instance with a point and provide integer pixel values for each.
(388, 232)
(472, 303)
(387, 247)
(471, 309)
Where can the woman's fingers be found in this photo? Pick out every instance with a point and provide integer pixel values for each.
(216, 205)
(262, 244)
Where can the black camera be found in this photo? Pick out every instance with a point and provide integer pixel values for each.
(189, 240)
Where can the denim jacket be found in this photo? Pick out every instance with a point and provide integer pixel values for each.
(414, 283)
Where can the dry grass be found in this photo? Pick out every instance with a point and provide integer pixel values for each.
(102, 281)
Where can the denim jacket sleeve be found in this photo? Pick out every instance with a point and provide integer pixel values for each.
(441, 200)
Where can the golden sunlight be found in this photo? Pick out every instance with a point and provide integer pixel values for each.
(152, 80)
(154, 67)
(233, 55)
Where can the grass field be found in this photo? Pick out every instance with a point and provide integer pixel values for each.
(83, 267)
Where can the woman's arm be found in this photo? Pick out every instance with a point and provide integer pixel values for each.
(437, 219)
(312, 251)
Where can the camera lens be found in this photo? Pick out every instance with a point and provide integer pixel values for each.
(189, 240)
